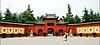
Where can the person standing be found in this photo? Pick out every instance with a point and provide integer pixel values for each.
(31, 33)
(66, 34)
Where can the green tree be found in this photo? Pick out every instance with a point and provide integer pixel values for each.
(98, 16)
(15, 18)
(0, 17)
(77, 19)
(30, 16)
(27, 16)
(69, 14)
(69, 17)
(69, 10)
(21, 19)
(40, 18)
(92, 16)
(71, 20)
(86, 16)
(64, 18)
(8, 16)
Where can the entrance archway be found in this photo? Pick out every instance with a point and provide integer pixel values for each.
(50, 30)
(40, 32)
(69, 30)
(29, 32)
(60, 32)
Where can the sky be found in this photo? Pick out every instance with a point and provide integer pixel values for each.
(59, 7)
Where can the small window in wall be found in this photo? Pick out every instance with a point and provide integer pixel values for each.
(84, 29)
(16, 30)
(20, 31)
(90, 29)
(50, 24)
(97, 30)
(4, 30)
(10, 30)
(79, 30)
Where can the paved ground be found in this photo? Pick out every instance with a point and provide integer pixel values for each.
(51, 41)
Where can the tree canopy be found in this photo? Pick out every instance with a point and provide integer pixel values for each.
(27, 16)
(77, 19)
(88, 16)
(8, 16)
(40, 18)
(0, 17)
(15, 18)
(69, 16)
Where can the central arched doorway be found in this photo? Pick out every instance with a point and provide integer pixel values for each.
(50, 31)
(40, 32)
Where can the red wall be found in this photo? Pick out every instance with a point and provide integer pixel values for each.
(44, 27)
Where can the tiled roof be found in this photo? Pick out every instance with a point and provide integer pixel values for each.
(85, 23)
(14, 23)
(50, 16)
(39, 22)
(61, 21)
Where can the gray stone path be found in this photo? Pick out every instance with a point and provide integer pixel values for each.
(50, 41)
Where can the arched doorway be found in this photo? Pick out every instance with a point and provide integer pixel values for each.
(70, 30)
(29, 32)
(40, 32)
(61, 32)
(50, 31)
